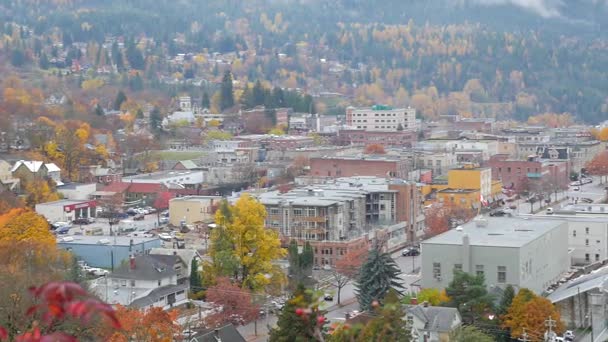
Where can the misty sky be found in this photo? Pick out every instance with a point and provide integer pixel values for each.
(544, 8)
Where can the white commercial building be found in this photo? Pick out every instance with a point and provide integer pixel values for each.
(521, 252)
(169, 178)
(381, 118)
(66, 210)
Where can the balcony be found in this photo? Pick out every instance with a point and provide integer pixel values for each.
(309, 218)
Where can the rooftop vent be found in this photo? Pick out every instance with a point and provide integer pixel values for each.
(459, 228)
(481, 222)
(104, 242)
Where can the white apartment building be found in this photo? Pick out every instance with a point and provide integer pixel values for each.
(381, 118)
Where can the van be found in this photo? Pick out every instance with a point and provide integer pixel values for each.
(126, 226)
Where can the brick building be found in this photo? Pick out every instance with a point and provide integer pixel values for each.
(369, 165)
(530, 173)
(405, 138)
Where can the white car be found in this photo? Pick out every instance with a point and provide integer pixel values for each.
(165, 237)
(100, 272)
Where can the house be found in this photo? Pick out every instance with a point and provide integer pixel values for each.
(7, 181)
(31, 170)
(432, 323)
(186, 165)
(77, 191)
(226, 333)
(99, 174)
(186, 255)
(145, 281)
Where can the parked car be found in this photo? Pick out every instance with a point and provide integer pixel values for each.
(165, 237)
(569, 335)
(328, 297)
(131, 212)
(549, 211)
(83, 220)
(99, 272)
(164, 220)
(410, 252)
(576, 188)
(586, 200)
(139, 217)
(62, 230)
(498, 213)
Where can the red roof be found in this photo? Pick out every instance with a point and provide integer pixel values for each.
(146, 188)
(118, 187)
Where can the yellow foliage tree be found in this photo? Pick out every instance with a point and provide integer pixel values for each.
(39, 191)
(433, 296)
(243, 247)
(25, 225)
(603, 134)
(529, 311)
(214, 123)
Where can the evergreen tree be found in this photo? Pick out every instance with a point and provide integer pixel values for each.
(139, 114)
(206, 103)
(278, 98)
(195, 277)
(469, 295)
(44, 61)
(120, 99)
(506, 300)
(18, 57)
(300, 319)
(247, 98)
(98, 110)
(134, 56)
(155, 120)
(226, 92)
(258, 94)
(300, 264)
(117, 57)
(378, 275)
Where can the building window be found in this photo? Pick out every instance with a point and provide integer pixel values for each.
(587, 230)
(502, 274)
(586, 242)
(508, 170)
(458, 267)
(574, 233)
(132, 283)
(597, 257)
(586, 257)
(123, 283)
(159, 282)
(479, 270)
(437, 270)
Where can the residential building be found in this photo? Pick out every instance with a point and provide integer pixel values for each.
(507, 251)
(439, 162)
(66, 210)
(191, 210)
(99, 174)
(144, 281)
(432, 323)
(387, 139)
(7, 181)
(350, 210)
(363, 165)
(470, 176)
(31, 170)
(382, 118)
(107, 252)
(467, 151)
(226, 333)
(530, 174)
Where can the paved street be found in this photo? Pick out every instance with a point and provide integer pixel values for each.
(336, 313)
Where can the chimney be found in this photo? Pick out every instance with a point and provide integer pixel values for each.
(414, 301)
(466, 253)
(132, 262)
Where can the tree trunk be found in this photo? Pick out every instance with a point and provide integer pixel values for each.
(339, 291)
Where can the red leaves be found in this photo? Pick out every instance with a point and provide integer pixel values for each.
(60, 300)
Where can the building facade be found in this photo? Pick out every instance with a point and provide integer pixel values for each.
(530, 174)
(507, 251)
(192, 209)
(387, 139)
(369, 165)
(382, 118)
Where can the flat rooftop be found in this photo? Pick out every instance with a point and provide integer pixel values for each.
(499, 232)
(160, 175)
(63, 202)
(588, 209)
(195, 198)
(123, 241)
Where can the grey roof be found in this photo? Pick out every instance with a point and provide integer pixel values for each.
(188, 164)
(157, 293)
(227, 333)
(499, 232)
(436, 318)
(121, 241)
(146, 268)
(597, 279)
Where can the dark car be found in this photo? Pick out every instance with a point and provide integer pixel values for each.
(498, 213)
(410, 252)
(139, 217)
(83, 220)
(131, 212)
(328, 297)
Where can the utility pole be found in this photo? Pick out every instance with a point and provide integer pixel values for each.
(550, 335)
(524, 337)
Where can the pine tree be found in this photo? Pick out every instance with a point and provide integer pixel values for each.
(296, 322)
(469, 295)
(120, 99)
(506, 300)
(378, 275)
(195, 277)
(117, 57)
(206, 103)
(226, 91)
(155, 120)
(98, 110)
(258, 94)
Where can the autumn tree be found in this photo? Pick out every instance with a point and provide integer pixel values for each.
(374, 149)
(346, 269)
(529, 311)
(153, 325)
(242, 247)
(39, 191)
(8, 201)
(437, 220)
(24, 225)
(432, 296)
(235, 304)
(301, 319)
(598, 166)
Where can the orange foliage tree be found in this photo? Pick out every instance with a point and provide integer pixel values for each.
(529, 311)
(374, 149)
(439, 216)
(598, 166)
(235, 304)
(152, 325)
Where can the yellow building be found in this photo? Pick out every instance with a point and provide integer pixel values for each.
(471, 177)
(192, 209)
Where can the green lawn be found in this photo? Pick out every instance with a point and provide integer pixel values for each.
(177, 155)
